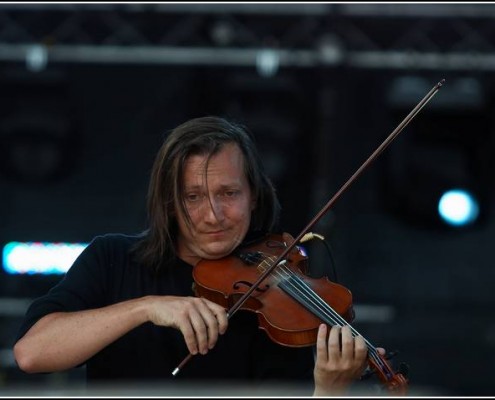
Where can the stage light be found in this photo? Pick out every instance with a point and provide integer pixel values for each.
(36, 58)
(40, 257)
(458, 207)
(267, 62)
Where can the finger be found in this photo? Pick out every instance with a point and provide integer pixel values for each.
(200, 330)
(321, 344)
(347, 341)
(189, 336)
(381, 350)
(211, 323)
(334, 342)
(220, 315)
(360, 348)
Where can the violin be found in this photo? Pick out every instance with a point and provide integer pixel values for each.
(270, 278)
(290, 305)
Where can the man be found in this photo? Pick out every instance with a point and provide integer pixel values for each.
(126, 308)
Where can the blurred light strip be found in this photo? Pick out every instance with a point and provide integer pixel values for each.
(170, 55)
(304, 58)
(40, 257)
(374, 313)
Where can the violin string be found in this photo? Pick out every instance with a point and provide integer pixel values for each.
(317, 306)
(310, 297)
(300, 290)
(312, 300)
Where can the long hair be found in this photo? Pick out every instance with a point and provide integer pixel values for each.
(203, 136)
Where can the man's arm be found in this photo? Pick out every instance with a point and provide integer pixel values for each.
(64, 340)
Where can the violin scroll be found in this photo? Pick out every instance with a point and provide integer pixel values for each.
(396, 383)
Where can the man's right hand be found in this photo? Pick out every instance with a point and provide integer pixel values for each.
(200, 320)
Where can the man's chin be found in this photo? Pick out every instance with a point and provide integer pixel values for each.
(216, 254)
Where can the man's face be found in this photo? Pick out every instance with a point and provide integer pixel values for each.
(219, 204)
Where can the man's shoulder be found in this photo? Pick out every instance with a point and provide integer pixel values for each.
(118, 237)
(115, 241)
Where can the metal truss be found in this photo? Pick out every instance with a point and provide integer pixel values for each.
(369, 36)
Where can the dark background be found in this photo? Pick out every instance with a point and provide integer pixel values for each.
(78, 134)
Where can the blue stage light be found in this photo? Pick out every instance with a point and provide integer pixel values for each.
(458, 207)
(40, 257)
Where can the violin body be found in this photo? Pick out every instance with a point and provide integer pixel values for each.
(285, 320)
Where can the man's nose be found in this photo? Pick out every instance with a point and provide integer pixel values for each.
(214, 211)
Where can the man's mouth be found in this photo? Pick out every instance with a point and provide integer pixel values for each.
(215, 233)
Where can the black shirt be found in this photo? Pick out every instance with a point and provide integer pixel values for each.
(105, 273)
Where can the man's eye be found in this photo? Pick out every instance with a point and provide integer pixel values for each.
(231, 193)
(192, 197)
